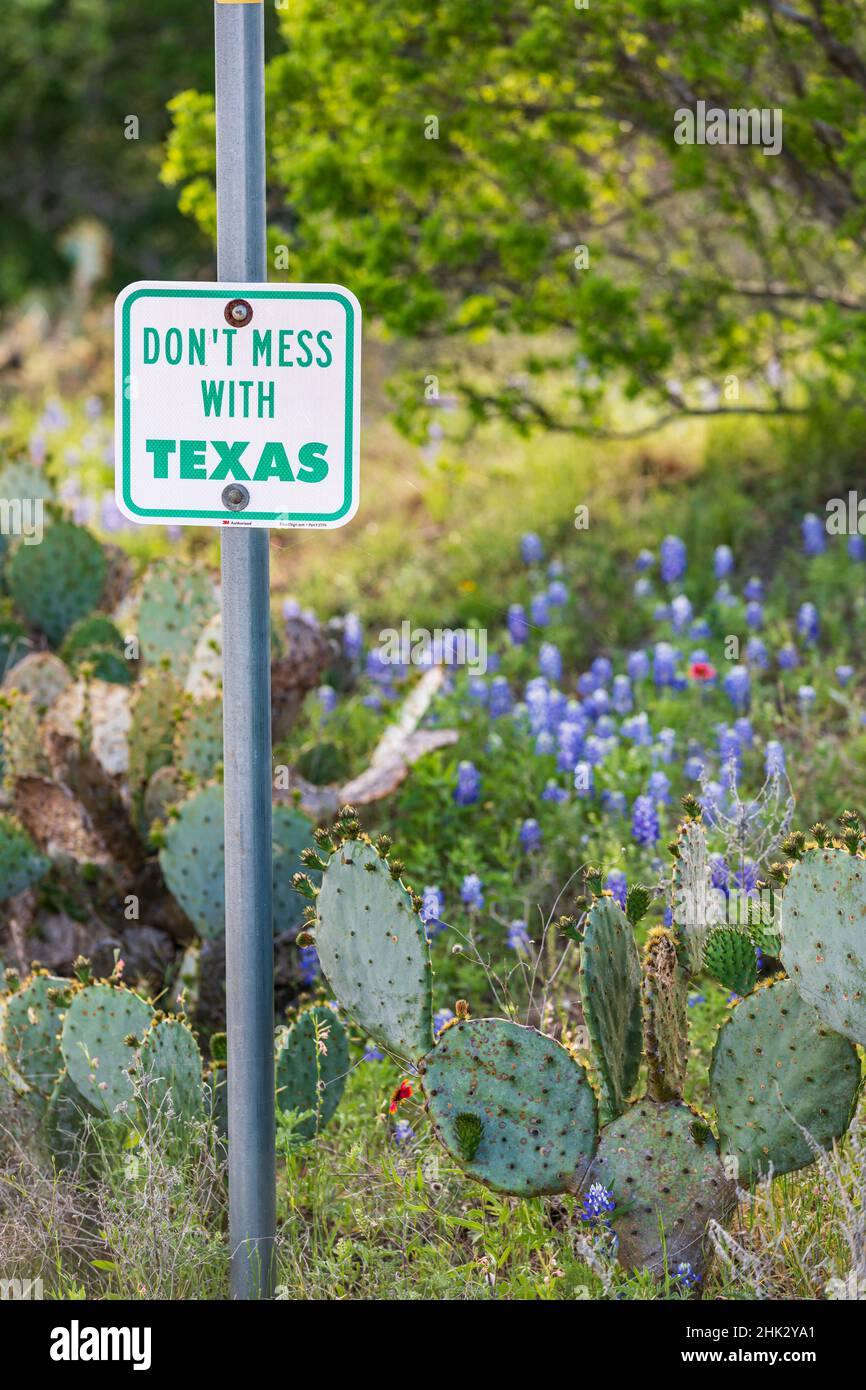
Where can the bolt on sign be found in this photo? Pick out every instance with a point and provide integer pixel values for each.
(237, 405)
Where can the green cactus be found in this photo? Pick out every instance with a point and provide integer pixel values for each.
(776, 1072)
(166, 788)
(374, 950)
(610, 990)
(823, 939)
(64, 1126)
(21, 864)
(731, 957)
(153, 720)
(312, 1062)
(92, 637)
(175, 605)
(56, 583)
(170, 1066)
(30, 1021)
(661, 1164)
(665, 1004)
(22, 752)
(101, 1030)
(290, 834)
(198, 739)
(531, 1098)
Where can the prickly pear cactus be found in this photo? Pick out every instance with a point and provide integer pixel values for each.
(610, 978)
(824, 937)
(22, 752)
(56, 583)
(730, 956)
(165, 789)
(90, 640)
(291, 831)
(30, 1021)
(102, 1029)
(42, 676)
(64, 1125)
(512, 1106)
(661, 1164)
(170, 1066)
(176, 603)
(777, 1070)
(665, 1004)
(373, 948)
(21, 864)
(204, 677)
(696, 906)
(193, 860)
(312, 1062)
(154, 716)
(198, 740)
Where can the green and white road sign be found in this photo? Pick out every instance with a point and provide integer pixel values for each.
(237, 405)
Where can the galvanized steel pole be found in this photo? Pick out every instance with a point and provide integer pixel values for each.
(241, 256)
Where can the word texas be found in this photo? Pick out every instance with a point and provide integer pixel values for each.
(76, 1343)
(740, 126)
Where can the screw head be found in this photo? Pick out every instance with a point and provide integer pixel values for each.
(238, 313)
(235, 497)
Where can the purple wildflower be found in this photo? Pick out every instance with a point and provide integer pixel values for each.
(468, 784)
(645, 826)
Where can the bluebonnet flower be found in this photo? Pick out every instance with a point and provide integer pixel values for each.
(373, 700)
(645, 826)
(719, 872)
(605, 727)
(621, 698)
(440, 1018)
(556, 569)
(471, 893)
(695, 999)
(757, 654)
(668, 918)
(637, 729)
(723, 561)
(598, 703)
(432, 908)
(744, 731)
(638, 666)
(667, 744)
(586, 683)
(499, 701)
(531, 549)
(570, 736)
(584, 779)
(808, 622)
(614, 802)
(553, 791)
(517, 936)
(814, 532)
(327, 697)
(557, 593)
(723, 596)
(746, 877)
(788, 657)
(844, 674)
(664, 663)
(518, 627)
(774, 759)
(476, 689)
(753, 591)
(737, 686)
(550, 661)
(645, 561)
(661, 613)
(685, 1275)
(353, 636)
(857, 547)
(308, 964)
(402, 1133)
(617, 883)
(642, 587)
(693, 767)
(712, 800)
(659, 787)
(806, 698)
(597, 1204)
(602, 669)
(699, 630)
(681, 612)
(755, 615)
(530, 835)
(545, 744)
(673, 559)
(468, 784)
(373, 1053)
(539, 611)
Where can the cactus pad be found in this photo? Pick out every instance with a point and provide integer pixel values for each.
(90, 639)
(661, 1164)
(373, 948)
(170, 1061)
(154, 714)
(56, 583)
(176, 603)
(610, 991)
(824, 937)
(193, 860)
(198, 740)
(312, 1061)
(730, 956)
(291, 831)
(696, 904)
(665, 1004)
(778, 1070)
(42, 676)
(532, 1101)
(30, 1022)
(96, 1043)
(21, 864)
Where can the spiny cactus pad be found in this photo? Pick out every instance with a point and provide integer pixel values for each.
(312, 1061)
(373, 948)
(696, 906)
(96, 633)
(176, 603)
(96, 1043)
(777, 1067)
(193, 860)
(730, 956)
(662, 1166)
(610, 991)
(56, 583)
(30, 1022)
(198, 740)
(42, 676)
(170, 1062)
(665, 1007)
(824, 937)
(21, 864)
(154, 715)
(291, 831)
(534, 1102)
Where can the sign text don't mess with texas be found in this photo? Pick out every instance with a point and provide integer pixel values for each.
(254, 385)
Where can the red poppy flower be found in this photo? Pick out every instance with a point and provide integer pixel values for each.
(702, 671)
(403, 1092)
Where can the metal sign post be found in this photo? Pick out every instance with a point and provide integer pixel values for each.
(241, 256)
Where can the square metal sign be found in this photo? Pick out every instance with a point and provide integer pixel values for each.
(237, 405)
